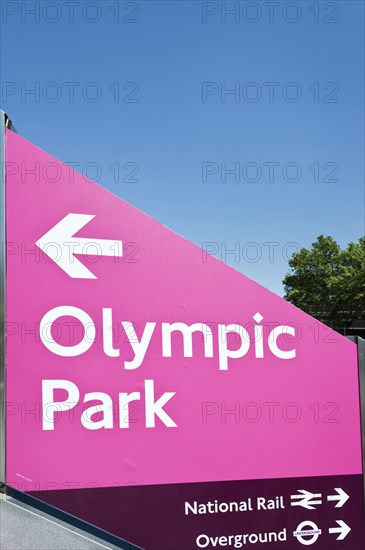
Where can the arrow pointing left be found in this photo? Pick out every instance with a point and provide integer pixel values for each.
(61, 237)
(343, 529)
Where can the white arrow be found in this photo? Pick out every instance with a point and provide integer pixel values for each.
(307, 499)
(342, 497)
(344, 529)
(61, 246)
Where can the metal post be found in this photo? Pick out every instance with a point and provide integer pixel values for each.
(5, 123)
(360, 342)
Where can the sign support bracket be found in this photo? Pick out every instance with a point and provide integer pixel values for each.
(360, 343)
(5, 123)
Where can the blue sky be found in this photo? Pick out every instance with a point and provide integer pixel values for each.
(307, 55)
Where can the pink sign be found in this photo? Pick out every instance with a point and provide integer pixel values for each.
(134, 358)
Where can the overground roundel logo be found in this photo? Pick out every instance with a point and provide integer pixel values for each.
(307, 529)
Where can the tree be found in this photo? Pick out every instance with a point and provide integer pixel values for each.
(327, 282)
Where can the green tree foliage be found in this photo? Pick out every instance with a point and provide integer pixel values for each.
(327, 282)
